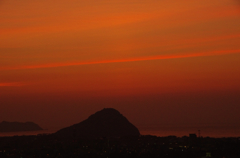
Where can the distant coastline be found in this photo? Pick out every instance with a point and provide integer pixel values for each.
(160, 132)
(18, 127)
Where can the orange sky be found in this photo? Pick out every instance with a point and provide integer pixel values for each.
(133, 55)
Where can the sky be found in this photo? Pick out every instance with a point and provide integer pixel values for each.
(157, 62)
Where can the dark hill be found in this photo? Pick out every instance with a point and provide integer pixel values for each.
(18, 126)
(105, 123)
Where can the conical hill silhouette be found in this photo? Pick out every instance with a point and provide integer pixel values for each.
(105, 123)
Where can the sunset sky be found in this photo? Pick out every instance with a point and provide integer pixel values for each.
(156, 61)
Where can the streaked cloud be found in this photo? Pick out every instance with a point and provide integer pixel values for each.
(147, 58)
(12, 84)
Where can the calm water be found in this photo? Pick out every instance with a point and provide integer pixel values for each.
(179, 131)
(205, 131)
(3, 134)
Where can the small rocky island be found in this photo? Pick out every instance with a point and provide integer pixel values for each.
(18, 126)
(105, 123)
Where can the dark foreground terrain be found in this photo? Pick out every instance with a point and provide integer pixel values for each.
(42, 146)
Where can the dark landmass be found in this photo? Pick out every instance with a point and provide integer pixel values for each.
(105, 123)
(50, 146)
(18, 126)
(110, 139)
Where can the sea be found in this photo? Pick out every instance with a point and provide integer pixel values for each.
(161, 131)
(216, 131)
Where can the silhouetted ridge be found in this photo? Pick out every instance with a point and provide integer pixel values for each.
(105, 123)
(107, 114)
(18, 126)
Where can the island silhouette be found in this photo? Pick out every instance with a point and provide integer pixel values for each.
(107, 133)
(18, 126)
(105, 123)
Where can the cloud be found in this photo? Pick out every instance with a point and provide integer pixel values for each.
(147, 58)
(11, 84)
